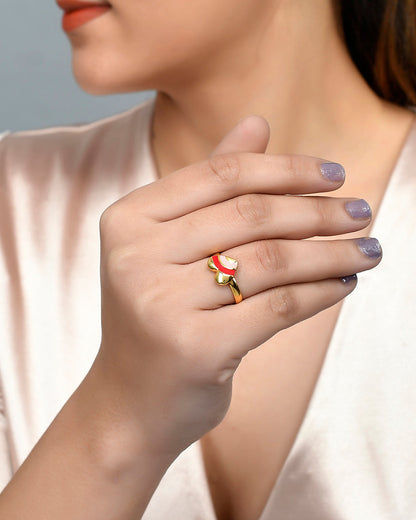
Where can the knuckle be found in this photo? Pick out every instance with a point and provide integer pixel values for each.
(226, 168)
(334, 254)
(115, 220)
(323, 215)
(120, 261)
(292, 164)
(121, 223)
(283, 304)
(253, 209)
(148, 302)
(269, 257)
(107, 218)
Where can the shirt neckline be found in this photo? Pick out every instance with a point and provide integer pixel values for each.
(401, 158)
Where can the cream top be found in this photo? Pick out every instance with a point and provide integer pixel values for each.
(354, 455)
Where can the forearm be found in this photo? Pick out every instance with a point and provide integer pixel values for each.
(90, 464)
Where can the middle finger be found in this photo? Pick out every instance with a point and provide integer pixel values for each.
(254, 217)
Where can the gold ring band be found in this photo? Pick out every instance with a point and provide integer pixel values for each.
(225, 268)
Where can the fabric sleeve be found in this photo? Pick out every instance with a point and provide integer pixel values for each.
(5, 466)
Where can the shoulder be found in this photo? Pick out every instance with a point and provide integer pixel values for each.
(67, 147)
(137, 117)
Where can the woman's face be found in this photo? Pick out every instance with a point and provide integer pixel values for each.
(160, 44)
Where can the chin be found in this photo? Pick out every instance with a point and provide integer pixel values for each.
(100, 86)
(104, 76)
(102, 71)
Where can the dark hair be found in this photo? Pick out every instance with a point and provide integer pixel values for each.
(381, 38)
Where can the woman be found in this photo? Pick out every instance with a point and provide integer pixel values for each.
(154, 415)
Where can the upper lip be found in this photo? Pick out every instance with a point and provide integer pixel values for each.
(71, 5)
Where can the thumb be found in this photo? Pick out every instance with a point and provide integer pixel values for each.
(251, 134)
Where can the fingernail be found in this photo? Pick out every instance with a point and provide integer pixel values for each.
(358, 209)
(369, 246)
(348, 279)
(333, 171)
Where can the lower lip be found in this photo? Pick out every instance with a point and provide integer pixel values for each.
(74, 19)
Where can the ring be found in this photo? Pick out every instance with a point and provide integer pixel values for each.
(225, 268)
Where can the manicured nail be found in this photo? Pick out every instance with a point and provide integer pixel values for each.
(348, 279)
(358, 209)
(333, 171)
(369, 246)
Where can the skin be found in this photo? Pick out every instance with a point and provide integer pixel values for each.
(291, 66)
(215, 63)
(154, 387)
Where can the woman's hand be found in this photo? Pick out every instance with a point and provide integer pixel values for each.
(171, 337)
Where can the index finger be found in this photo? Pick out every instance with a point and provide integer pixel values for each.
(226, 176)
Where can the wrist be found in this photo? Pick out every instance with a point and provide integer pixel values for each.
(91, 463)
(121, 438)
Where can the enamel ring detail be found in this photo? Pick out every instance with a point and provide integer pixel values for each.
(225, 269)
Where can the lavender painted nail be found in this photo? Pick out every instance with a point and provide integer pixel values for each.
(333, 171)
(349, 278)
(358, 209)
(369, 246)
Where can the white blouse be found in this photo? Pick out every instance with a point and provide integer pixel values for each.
(355, 454)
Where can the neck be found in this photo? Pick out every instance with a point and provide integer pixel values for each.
(297, 73)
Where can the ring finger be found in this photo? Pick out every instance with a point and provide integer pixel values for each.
(266, 264)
